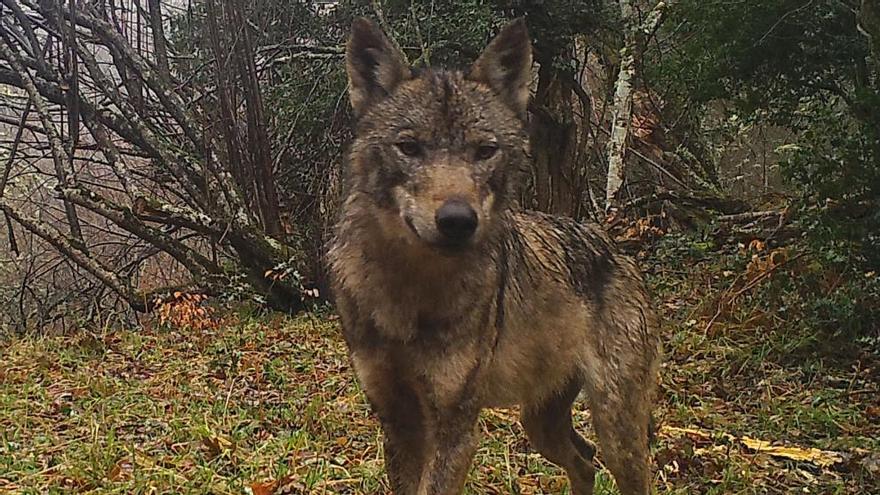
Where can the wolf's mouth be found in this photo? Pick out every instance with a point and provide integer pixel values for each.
(443, 246)
(447, 248)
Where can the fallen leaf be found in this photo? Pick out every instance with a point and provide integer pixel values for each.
(821, 458)
(217, 445)
(263, 488)
(694, 434)
(120, 471)
(269, 487)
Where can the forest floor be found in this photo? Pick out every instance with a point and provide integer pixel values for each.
(752, 401)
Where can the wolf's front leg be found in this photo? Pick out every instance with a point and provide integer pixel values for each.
(404, 431)
(400, 412)
(455, 442)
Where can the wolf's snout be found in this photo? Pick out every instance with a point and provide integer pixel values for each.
(456, 220)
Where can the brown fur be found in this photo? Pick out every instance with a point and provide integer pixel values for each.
(531, 310)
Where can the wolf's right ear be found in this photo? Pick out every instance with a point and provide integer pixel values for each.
(506, 65)
(375, 66)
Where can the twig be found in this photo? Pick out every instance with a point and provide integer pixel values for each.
(383, 22)
(59, 156)
(72, 251)
(750, 216)
(726, 301)
(779, 21)
(7, 168)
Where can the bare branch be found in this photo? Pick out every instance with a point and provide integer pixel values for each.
(59, 156)
(169, 98)
(202, 267)
(72, 251)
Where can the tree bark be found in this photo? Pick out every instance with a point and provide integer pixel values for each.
(160, 49)
(554, 140)
(622, 115)
(633, 45)
(259, 148)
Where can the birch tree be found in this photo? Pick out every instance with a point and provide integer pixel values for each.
(635, 36)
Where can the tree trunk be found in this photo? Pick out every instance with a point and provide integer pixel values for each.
(622, 116)
(259, 148)
(159, 48)
(556, 137)
(633, 44)
(554, 143)
(869, 25)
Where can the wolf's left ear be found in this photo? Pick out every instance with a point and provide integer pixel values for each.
(375, 67)
(506, 65)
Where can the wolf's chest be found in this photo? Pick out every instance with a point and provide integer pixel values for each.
(405, 304)
(433, 320)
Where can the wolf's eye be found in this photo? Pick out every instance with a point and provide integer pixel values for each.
(410, 148)
(486, 151)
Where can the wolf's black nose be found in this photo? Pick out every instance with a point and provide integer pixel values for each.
(456, 220)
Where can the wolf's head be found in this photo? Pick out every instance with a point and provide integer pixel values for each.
(439, 151)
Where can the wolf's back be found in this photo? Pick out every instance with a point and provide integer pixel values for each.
(577, 254)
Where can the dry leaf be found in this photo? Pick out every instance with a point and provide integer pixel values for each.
(217, 445)
(821, 458)
(269, 487)
(778, 257)
(120, 471)
(694, 434)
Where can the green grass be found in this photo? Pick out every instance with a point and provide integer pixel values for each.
(154, 410)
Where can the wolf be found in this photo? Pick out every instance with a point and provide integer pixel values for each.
(453, 299)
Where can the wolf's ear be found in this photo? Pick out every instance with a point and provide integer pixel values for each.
(375, 67)
(506, 65)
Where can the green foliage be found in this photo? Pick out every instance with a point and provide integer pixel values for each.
(802, 67)
(760, 54)
(816, 300)
(454, 33)
(441, 33)
(837, 167)
(837, 292)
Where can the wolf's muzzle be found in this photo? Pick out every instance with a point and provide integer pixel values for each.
(456, 220)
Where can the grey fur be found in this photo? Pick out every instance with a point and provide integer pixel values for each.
(533, 309)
